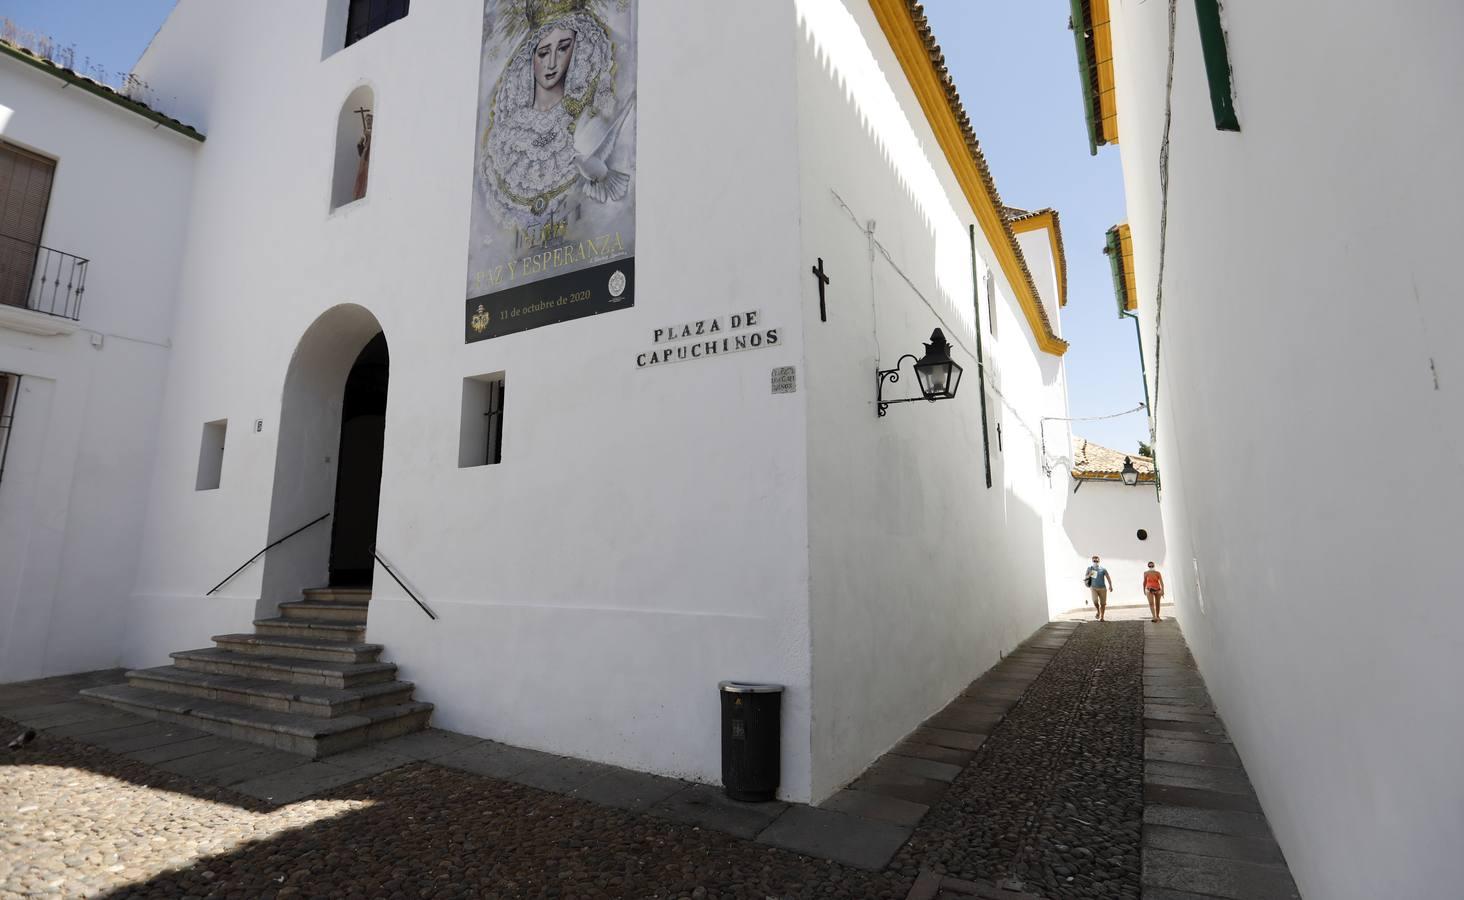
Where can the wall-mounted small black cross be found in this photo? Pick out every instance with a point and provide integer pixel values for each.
(823, 281)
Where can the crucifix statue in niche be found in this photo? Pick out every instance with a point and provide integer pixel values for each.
(363, 152)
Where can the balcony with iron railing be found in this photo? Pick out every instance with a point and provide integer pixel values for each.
(41, 279)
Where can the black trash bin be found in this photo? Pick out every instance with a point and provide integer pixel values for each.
(752, 716)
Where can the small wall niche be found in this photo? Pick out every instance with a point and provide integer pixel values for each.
(354, 129)
(481, 439)
(211, 455)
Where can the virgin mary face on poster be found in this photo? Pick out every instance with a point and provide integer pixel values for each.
(551, 63)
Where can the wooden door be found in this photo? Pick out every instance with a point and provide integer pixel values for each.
(25, 192)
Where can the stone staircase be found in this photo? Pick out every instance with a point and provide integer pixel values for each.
(304, 682)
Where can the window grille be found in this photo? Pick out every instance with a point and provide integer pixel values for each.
(495, 422)
(9, 397)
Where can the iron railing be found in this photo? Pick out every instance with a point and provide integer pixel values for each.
(418, 600)
(267, 548)
(41, 279)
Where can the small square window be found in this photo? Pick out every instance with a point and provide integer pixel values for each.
(211, 455)
(480, 442)
(367, 17)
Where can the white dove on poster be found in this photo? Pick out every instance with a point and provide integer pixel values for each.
(594, 141)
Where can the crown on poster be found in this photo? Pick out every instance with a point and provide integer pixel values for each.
(543, 12)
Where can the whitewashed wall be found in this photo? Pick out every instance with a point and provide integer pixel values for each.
(646, 533)
(76, 477)
(1308, 405)
(920, 576)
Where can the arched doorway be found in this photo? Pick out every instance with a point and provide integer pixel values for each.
(358, 473)
(328, 457)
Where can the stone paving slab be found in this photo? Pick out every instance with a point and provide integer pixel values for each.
(1217, 821)
(563, 774)
(428, 744)
(149, 736)
(708, 807)
(166, 752)
(201, 765)
(296, 784)
(494, 760)
(913, 788)
(1209, 778)
(876, 806)
(931, 751)
(625, 789)
(104, 721)
(369, 760)
(1194, 753)
(947, 737)
(1204, 835)
(826, 833)
(1208, 843)
(924, 768)
(270, 762)
(1198, 798)
(1214, 877)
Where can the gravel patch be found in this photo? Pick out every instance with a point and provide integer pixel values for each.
(1053, 802)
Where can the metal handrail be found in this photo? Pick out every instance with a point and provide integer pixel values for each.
(387, 566)
(54, 281)
(265, 550)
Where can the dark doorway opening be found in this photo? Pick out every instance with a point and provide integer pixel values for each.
(358, 469)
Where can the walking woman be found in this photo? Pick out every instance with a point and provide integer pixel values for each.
(1153, 590)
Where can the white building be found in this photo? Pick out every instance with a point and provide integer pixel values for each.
(1293, 197)
(96, 193)
(610, 513)
(1105, 517)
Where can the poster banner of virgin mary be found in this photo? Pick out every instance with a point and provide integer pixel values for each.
(553, 225)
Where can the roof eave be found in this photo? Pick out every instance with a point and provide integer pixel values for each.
(99, 90)
(909, 35)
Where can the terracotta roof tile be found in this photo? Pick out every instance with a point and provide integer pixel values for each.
(91, 85)
(1092, 460)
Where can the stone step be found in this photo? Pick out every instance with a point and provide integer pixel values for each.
(285, 669)
(320, 629)
(298, 647)
(310, 700)
(306, 735)
(337, 595)
(349, 613)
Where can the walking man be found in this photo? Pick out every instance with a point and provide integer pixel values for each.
(1153, 590)
(1098, 579)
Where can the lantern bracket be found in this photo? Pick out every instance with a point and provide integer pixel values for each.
(893, 376)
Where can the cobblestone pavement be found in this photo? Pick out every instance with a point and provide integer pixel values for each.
(78, 821)
(1053, 803)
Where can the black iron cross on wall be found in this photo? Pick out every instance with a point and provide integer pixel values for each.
(823, 281)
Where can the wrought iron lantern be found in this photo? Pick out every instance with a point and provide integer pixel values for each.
(938, 375)
(1130, 475)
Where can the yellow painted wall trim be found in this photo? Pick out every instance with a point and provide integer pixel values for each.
(913, 48)
(1048, 219)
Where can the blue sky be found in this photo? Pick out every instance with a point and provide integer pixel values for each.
(1014, 63)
